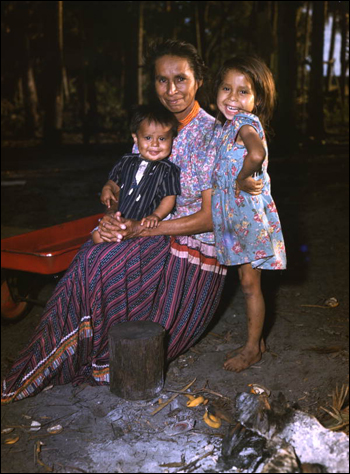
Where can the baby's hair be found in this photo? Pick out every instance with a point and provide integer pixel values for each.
(153, 114)
(261, 79)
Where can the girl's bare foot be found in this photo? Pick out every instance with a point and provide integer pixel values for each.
(234, 352)
(243, 360)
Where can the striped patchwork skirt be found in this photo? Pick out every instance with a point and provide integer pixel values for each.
(176, 282)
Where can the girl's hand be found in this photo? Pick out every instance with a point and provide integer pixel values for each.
(249, 185)
(116, 228)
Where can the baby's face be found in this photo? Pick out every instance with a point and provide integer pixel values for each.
(153, 140)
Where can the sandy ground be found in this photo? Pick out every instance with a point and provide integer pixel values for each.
(102, 433)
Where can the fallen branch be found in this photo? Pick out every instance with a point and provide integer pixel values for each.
(193, 463)
(317, 306)
(202, 390)
(163, 405)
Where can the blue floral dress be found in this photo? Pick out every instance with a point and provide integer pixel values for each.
(247, 228)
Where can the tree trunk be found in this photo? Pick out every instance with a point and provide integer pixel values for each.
(140, 55)
(285, 117)
(330, 65)
(136, 360)
(131, 56)
(315, 109)
(19, 95)
(273, 10)
(29, 93)
(200, 8)
(54, 97)
(65, 81)
(122, 76)
(261, 30)
(344, 60)
(305, 52)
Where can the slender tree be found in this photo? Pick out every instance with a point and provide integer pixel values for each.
(53, 74)
(29, 91)
(285, 117)
(344, 53)
(140, 54)
(199, 14)
(331, 59)
(316, 94)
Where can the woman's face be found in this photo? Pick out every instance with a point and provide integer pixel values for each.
(176, 85)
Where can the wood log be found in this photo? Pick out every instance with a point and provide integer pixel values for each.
(136, 360)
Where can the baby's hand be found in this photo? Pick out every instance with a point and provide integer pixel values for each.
(151, 221)
(96, 238)
(107, 196)
(249, 185)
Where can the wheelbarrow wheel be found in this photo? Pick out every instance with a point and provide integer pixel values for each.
(12, 311)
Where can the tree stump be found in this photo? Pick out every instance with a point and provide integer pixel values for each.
(136, 360)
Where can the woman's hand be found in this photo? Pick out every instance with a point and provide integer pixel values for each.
(115, 228)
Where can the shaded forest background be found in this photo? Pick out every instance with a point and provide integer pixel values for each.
(74, 69)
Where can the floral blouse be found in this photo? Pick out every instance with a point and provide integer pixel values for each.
(194, 152)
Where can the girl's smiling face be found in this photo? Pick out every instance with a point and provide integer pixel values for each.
(235, 94)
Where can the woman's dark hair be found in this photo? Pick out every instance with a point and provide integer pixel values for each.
(151, 113)
(261, 79)
(181, 49)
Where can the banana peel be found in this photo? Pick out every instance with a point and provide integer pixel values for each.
(190, 397)
(195, 401)
(259, 389)
(211, 420)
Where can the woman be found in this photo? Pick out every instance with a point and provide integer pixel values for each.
(168, 275)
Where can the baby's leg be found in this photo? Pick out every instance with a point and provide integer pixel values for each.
(252, 351)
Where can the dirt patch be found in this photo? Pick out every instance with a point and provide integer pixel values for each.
(307, 341)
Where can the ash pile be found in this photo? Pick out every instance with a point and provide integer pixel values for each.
(270, 436)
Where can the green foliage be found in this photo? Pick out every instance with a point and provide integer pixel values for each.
(110, 111)
(12, 119)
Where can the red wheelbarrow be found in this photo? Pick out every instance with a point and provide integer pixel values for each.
(46, 251)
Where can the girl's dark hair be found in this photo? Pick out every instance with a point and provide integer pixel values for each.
(182, 49)
(156, 114)
(261, 79)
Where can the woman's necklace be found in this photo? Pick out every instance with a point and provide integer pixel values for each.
(194, 112)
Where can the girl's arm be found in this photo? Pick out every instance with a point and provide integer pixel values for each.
(116, 229)
(252, 161)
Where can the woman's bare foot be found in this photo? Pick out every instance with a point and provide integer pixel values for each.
(243, 360)
(234, 352)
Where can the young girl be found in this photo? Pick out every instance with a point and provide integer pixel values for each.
(246, 224)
